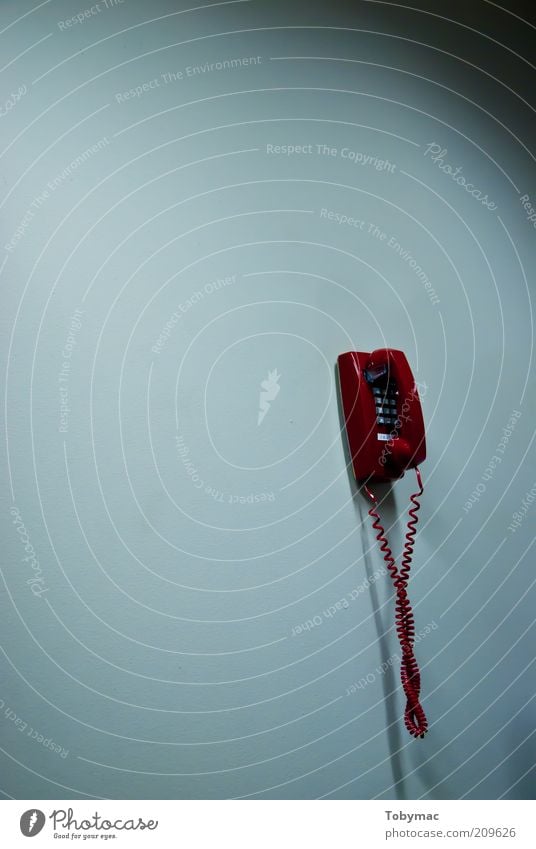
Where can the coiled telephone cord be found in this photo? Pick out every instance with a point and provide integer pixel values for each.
(414, 716)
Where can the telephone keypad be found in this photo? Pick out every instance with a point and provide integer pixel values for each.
(386, 405)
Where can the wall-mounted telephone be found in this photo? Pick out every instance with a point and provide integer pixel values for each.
(383, 414)
(385, 430)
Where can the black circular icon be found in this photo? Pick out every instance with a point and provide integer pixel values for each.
(31, 822)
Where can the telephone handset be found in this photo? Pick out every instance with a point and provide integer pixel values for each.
(385, 431)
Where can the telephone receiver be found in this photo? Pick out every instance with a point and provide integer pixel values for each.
(385, 432)
(383, 415)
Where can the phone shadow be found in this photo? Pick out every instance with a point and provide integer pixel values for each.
(389, 680)
(390, 661)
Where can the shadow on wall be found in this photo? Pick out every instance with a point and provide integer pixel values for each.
(389, 679)
(418, 753)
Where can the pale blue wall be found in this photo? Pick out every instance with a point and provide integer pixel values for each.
(161, 647)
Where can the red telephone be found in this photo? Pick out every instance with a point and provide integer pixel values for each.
(383, 414)
(385, 430)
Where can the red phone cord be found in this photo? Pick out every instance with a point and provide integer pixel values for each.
(414, 716)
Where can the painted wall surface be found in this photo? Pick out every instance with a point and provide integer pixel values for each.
(202, 205)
